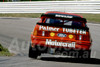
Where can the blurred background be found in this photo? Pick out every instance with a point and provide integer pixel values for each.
(44, 0)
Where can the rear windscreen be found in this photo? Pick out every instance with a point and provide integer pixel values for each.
(63, 22)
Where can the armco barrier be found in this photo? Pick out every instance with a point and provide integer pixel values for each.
(43, 6)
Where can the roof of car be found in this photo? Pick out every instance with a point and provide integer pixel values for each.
(63, 13)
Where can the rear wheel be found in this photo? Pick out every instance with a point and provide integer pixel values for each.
(33, 53)
(84, 54)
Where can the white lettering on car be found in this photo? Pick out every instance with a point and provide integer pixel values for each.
(70, 30)
(56, 43)
(64, 16)
(84, 31)
(48, 28)
(67, 30)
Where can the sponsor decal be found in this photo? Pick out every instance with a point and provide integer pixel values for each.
(52, 34)
(56, 43)
(67, 30)
(63, 16)
(77, 31)
(48, 28)
(70, 36)
(61, 35)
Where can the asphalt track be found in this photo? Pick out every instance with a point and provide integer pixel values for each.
(15, 35)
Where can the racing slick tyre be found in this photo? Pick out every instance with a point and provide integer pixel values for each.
(33, 53)
(84, 54)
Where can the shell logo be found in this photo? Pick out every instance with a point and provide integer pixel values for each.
(52, 34)
(70, 36)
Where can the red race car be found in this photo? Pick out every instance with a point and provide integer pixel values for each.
(61, 33)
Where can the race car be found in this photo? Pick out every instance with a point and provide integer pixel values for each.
(60, 33)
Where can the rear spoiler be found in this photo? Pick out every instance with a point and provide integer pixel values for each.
(63, 26)
(68, 17)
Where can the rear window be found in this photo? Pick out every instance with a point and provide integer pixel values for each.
(62, 22)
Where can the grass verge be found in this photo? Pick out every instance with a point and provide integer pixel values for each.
(94, 18)
(90, 17)
(4, 51)
(31, 15)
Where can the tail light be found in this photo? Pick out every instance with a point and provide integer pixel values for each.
(83, 37)
(35, 33)
(47, 33)
(77, 37)
(41, 33)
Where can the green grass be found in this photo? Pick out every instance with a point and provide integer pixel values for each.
(4, 51)
(89, 17)
(92, 17)
(31, 15)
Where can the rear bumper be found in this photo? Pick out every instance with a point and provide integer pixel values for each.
(53, 43)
